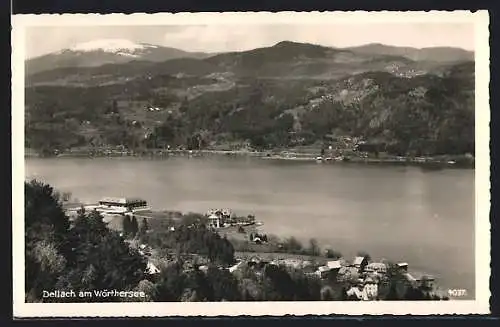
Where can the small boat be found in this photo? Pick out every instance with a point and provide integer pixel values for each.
(319, 159)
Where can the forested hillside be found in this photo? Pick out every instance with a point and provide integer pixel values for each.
(278, 97)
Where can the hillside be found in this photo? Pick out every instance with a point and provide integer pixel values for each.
(107, 51)
(436, 54)
(154, 105)
(119, 73)
(284, 60)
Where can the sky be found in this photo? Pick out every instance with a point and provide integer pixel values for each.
(41, 40)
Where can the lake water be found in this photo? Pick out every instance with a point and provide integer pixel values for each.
(423, 217)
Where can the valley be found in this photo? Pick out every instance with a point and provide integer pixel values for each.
(279, 97)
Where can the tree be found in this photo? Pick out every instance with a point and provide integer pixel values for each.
(224, 287)
(149, 290)
(332, 254)
(44, 264)
(364, 255)
(101, 259)
(392, 295)
(134, 226)
(292, 245)
(66, 196)
(44, 216)
(393, 286)
(171, 283)
(277, 284)
(144, 227)
(327, 294)
(258, 142)
(193, 219)
(190, 295)
(114, 106)
(87, 256)
(127, 226)
(343, 294)
(46, 242)
(194, 239)
(415, 293)
(197, 286)
(306, 288)
(314, 247)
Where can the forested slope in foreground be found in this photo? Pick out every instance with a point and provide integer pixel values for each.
(83, 255)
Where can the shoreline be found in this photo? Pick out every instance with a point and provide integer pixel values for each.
(439, 162)
(267, 251)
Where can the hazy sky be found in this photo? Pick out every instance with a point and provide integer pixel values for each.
(220, 38)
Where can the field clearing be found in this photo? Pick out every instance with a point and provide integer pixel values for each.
(232, 232)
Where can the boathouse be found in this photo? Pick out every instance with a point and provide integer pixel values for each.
(121, 205)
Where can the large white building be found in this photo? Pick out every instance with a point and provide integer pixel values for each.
(122, 205)
(217, 217)
(215, 221)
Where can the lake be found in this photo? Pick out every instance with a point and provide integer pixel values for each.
(423, 217)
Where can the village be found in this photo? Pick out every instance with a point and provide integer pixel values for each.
(364, 279)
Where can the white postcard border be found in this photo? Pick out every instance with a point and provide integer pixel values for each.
(482, 171)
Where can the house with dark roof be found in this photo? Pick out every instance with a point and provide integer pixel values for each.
(360, 262)
(403, 266)
(152, 269)
(420, 279)
(376, 267)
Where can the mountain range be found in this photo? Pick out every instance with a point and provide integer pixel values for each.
(106, 51)
(117, 51)
(439, 54)
(112, 92)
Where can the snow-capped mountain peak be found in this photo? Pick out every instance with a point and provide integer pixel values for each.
(104, 51)
(118, 46)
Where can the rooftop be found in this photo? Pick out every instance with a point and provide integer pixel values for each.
(226, 212)
(151, 268)
(121, 200)
(354, 291)
(376, 265)
(334, 264)
(418, 276)
(358, 260)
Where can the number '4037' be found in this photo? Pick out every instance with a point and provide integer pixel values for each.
(457, 292)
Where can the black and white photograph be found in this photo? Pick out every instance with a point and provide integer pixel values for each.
(307, 164)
